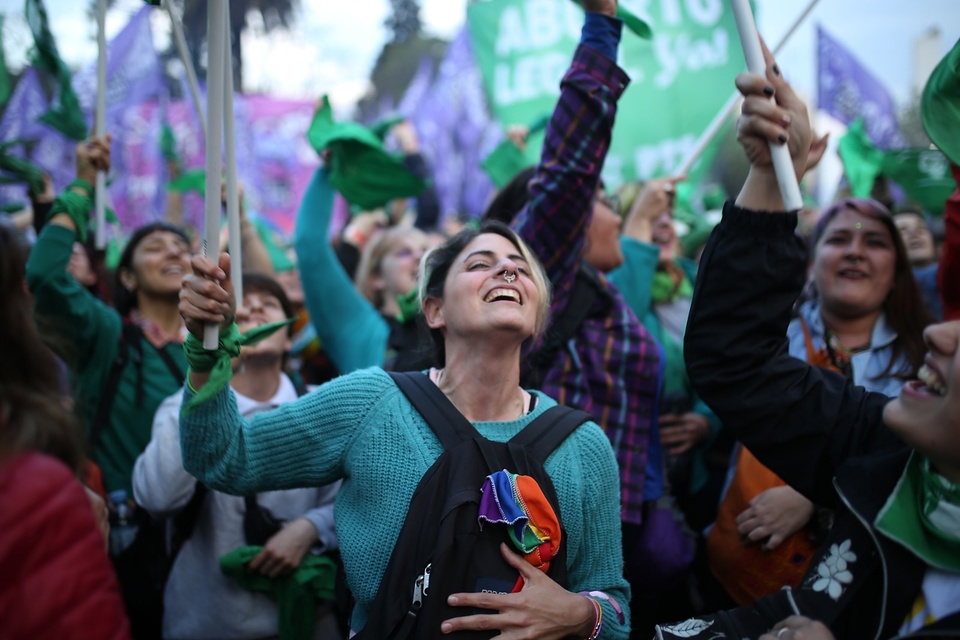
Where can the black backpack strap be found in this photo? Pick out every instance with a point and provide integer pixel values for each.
(109, 392)
(450, 426)
(172, 366)
(549, 429)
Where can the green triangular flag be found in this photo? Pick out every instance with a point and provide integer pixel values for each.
(940, 105)
(507, 160)
(923, 173)
(861, 160)
(65, 114)
(5, 88)
(360, 168)
(190, 180)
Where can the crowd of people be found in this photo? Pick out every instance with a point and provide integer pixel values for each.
(769, 445)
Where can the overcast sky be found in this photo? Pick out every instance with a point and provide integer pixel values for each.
(334, 43)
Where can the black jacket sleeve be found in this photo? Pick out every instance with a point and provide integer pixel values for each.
(799, 420)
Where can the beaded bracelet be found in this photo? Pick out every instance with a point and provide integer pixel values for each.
(598, 612)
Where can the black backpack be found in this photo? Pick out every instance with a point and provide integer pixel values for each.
(441, 548)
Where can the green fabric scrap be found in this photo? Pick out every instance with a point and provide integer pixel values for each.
(940, 105)
(360, 168)
(65, 114)
(296, 595)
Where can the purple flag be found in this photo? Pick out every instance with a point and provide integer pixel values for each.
(456, 130)
(847, 91)
(133, 70)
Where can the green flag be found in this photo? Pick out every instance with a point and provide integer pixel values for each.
(65, 114)
(631, 21)
(190, 180)
(507, 160)
(940, 105)
(360, 168)
(381, 128)
(923, 173)
(679, 80)
(862, 161)
(5, 88)
(168, 144)
(20, 170)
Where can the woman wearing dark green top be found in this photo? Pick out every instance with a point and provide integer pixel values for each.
(148, 284)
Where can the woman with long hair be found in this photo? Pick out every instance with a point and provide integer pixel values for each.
(863, 318)
(56, 579)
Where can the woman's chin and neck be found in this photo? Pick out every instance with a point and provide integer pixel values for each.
(482, 377)
(852, 327)
(162, 310)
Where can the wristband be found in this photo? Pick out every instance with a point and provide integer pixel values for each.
(355, 236)
(598, 624)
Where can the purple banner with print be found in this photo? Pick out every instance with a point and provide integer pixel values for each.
(448, 108)
(848, 90)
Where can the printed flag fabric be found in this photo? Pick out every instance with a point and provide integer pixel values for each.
(517, 502)
(847, 90)
(940, 105)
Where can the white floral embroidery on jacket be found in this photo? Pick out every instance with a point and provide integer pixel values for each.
(832, 572)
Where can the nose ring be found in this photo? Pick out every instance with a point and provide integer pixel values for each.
(509, 277)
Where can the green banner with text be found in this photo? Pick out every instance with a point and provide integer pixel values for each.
(679, 80)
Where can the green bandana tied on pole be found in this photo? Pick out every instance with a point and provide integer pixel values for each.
(217, 361)
(65, 115)
(360, 168)
(940, 105)
(923, 515)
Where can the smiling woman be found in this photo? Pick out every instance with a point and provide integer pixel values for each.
(889, 469)
(484, 296)
(125, 361)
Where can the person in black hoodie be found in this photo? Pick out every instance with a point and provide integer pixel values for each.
(890, 468)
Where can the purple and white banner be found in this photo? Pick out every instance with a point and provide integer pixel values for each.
(847, 90)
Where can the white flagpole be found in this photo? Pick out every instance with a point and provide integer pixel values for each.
(216, 28)
(100, 123)
(230, 147)
(721, 118)
(782, 163)
(181, 43)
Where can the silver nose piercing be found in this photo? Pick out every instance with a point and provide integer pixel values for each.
(509, 277)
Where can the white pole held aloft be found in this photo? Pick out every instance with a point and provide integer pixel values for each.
(721, 118)
(782, 163)
(100, 123)
(181, 43)
(230, 150)
(216, 28)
